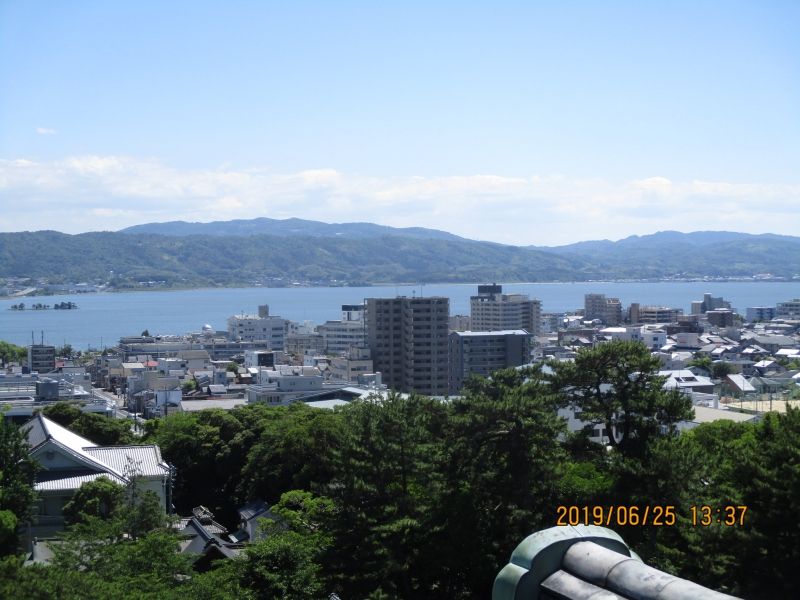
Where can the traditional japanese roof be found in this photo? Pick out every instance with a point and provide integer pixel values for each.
(41, 429)
(253, 509)
(54, 481)
(91, 461)
(146, 459)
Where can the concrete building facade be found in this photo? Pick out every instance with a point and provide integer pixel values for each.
(252, 328)
(607, 310)
(41, 358)
(492, 310)
(789, 309)
(483, 352)
(652, 315)
(408, 341)
(708, 303)
(760, 313)
(339, 336)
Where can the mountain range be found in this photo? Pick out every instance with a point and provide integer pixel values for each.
(278, 252)
(287, 227)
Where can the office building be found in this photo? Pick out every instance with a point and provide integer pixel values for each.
(708, 303)
(652, 315)
(41, 358)
(720, 317)
(339, 336)
(483, 352)
(789, 309)
(760, 313)
(492, 310)
(262, 328)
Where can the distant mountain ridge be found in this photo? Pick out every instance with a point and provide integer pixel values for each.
(696, 254)
(208, 254)
(286, 227)
(663, 238)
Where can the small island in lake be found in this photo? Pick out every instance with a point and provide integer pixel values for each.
(40, 306)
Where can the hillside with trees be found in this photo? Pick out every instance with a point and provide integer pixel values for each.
(237, 253)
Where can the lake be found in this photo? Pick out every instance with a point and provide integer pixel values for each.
(102, 319)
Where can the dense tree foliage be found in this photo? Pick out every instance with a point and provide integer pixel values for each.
(616, 385)
(17, 475)
(101, 498)
(413, 497)
(12, 353)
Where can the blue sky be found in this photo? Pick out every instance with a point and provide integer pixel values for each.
(519, 122)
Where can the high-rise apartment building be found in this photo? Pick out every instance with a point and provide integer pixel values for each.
(492, 310)
(408, 340)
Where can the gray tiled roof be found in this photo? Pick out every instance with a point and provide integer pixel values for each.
(40, 429)
(146, 458)
(57, 482)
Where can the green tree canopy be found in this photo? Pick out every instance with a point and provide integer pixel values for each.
(12, 353)
(17, 478)
(616, 385)
(101, 498)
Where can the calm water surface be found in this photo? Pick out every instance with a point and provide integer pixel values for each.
(102, 319)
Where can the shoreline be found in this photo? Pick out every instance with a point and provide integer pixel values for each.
(399, 283)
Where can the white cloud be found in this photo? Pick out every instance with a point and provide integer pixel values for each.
(86, 193)
(46, 131)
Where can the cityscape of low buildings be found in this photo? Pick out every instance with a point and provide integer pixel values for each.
(723, 361)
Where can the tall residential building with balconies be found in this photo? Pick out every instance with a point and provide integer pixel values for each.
(492, 310)
(408, 340)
